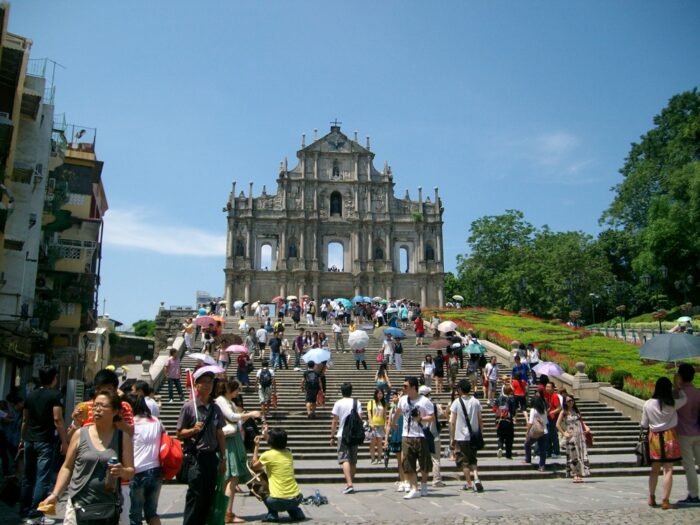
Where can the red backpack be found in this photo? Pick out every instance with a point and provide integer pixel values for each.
(170, 456)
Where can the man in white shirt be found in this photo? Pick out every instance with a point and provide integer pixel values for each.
(338, 333)
(347, 455)
(261, 336)
(490, 378)
(418, 413)
(465, 453)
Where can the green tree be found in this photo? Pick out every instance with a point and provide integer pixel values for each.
(144, 328)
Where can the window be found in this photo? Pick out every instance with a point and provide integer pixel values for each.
(403, 259)
(76, 199)
(429, 252)
(265, 257)
(336, 203)
(378, 252)
(336, 257)
(292, 249)
(68, 308)
(239, 248)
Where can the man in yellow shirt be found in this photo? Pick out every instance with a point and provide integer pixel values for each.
(279, 465)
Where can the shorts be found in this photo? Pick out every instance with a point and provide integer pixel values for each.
(420, 334)
(378, 432)
(465, 454)
(412, 449)
(440, 372)
(492, 385)
(311, 395)
(265, 394)
(520, 403)
(261, 346)
(347, 454)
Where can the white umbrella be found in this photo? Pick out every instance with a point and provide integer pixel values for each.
(458, 298)
(223, 302)
(447, 326)
(292, 298)
(207, 359)
(255, 305)
(238, 305)
(548, 368)
(317, 355)
(376, 299)
(684, 319)
(391, 310)
(358, 339)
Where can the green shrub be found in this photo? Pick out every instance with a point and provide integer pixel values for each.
(617, 378)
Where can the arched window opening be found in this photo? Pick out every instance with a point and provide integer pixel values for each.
(239, 248)
(336, 203)
(403, 260)
(265, 257)
(336, 257)
(429, 252)
(292, 249)
(378, 252)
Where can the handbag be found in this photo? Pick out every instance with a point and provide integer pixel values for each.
(642, 449)
(476, 439)
(217, 512)
(536, 430)
(427, 434)
(97, 513)
(320, 398)
(587, 435)
(258, 484)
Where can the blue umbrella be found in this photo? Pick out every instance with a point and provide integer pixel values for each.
(346, 303)
(317, 355)
(671, 347)
(358, 299)
(366, 299)
(394, 332)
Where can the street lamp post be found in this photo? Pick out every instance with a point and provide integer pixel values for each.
(594, 298)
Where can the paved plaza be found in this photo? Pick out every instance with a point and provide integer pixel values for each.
(601, 501)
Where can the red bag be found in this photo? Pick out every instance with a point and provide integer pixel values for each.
(320, 398)
(170, 456)
(274, 400)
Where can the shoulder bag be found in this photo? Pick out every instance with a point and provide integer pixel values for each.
(190, 450)
(429, 438)
(476, 439)
(537, 428)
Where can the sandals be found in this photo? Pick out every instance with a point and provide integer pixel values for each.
(652, 501)
(232, 518)
(665, 505)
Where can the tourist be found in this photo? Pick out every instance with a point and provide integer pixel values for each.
(387, 349)
(381, 379)
(439, 362)
(279, 466)
(574, 430)
(323, 340)
(472, 369)
(222, 357)
(324, 312)
(347, 454)
(90, 480)
(418, 411)
(434, 427)
(465, 422)
(689, 431)
(310, 313)
(244, 365)
(379, 317)
(505, 410)
(320, 369)
(403, 315)
(452, 368)
(296, 314)
(376, 418)
(419, 327)
(398, 353)
(275, 350)
(200, 427)
(519, 386)
(554, 406)
(310, 385)
(490, 378)
(392, 439)
(172, 374)
(261, 337)
(360, 358)
(243, 325)
(236, 460)
(268, 327)
(251, 342)
(42, 422)
(299, 349)
(537, 431)
(266, 385)
(338, 335)
(188, 332)
(533, 359)
(146, 483)
(427, 368)
(521, 367)
(284, 354)
(258, 313)
(659, 415)
(144, 389)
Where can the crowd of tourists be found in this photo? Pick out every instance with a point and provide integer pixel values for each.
(113, 468)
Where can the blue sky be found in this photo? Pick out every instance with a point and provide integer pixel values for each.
(529, 105)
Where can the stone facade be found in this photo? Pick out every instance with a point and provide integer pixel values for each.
(334, 195)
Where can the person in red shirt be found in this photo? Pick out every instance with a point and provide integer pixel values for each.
(83, 412)
(519, 386)
(554, 405)
(420, 331)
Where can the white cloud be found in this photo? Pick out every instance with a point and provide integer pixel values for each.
(137, 229)
(553, 149)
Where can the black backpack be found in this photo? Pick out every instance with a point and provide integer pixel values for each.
(353, 429)
(265, 378)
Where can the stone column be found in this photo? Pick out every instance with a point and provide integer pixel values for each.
(302, 285)
(302, 249)
(283, 290)
(387, 291)
(229, 238)
(252, 256)
(282, 248)
(423, 296)
(315, 291)
(246, 293)
(357, 289)
(441, 296)
(316, 166)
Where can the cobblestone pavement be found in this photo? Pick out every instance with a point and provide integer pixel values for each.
(601, 501)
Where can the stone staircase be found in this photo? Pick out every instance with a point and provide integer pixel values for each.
(315, 460)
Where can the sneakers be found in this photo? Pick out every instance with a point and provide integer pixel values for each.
(401, 486)
(439, 484)
(349, 490)
(479, 486)
(423, 489)
(412, 494)
(499, 454)
(689, 501)
(467, 488)
(170, 400)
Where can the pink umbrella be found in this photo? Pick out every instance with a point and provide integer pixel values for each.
(205, 321)
(237, 349)
(278, 299)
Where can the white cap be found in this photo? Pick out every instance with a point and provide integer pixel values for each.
(424, 390)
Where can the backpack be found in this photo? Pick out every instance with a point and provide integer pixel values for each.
(279, 326)
(312, 309)
(353, 429)
(503, 411)
(265, 378)
(312, 380)
(170, 456)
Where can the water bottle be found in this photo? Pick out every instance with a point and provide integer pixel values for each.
(317, 497)
(111, 481)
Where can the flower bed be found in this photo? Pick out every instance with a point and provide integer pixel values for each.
(606, 359)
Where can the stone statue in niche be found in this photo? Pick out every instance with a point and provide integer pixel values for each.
(292, 249)
(336, 170)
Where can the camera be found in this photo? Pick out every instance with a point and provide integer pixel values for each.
(415, 412)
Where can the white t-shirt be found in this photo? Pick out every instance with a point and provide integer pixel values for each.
(387, 347)
(491, 371)
(337, 328)
(153, 406)
(261, 334)
(243, 325)
(534, 414)
(428, 368)
(534, 356)
(342, 409)
(410, 426)
(473, 407)
(146, 439)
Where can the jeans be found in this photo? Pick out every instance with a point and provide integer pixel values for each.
(541, 446)
(201, 487)
(277, 505)
(297, 359)
(505, 437)
(553, 438)
(178, 384)
(690, 452)
(37, 480)
(398, 360)
(275, 361)
(145, 490)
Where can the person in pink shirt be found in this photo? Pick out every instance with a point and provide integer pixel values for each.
(688, 430)
(172, 374)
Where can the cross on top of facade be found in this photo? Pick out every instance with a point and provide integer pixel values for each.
(336, 123)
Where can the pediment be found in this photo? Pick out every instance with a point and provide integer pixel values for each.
(336, 142)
